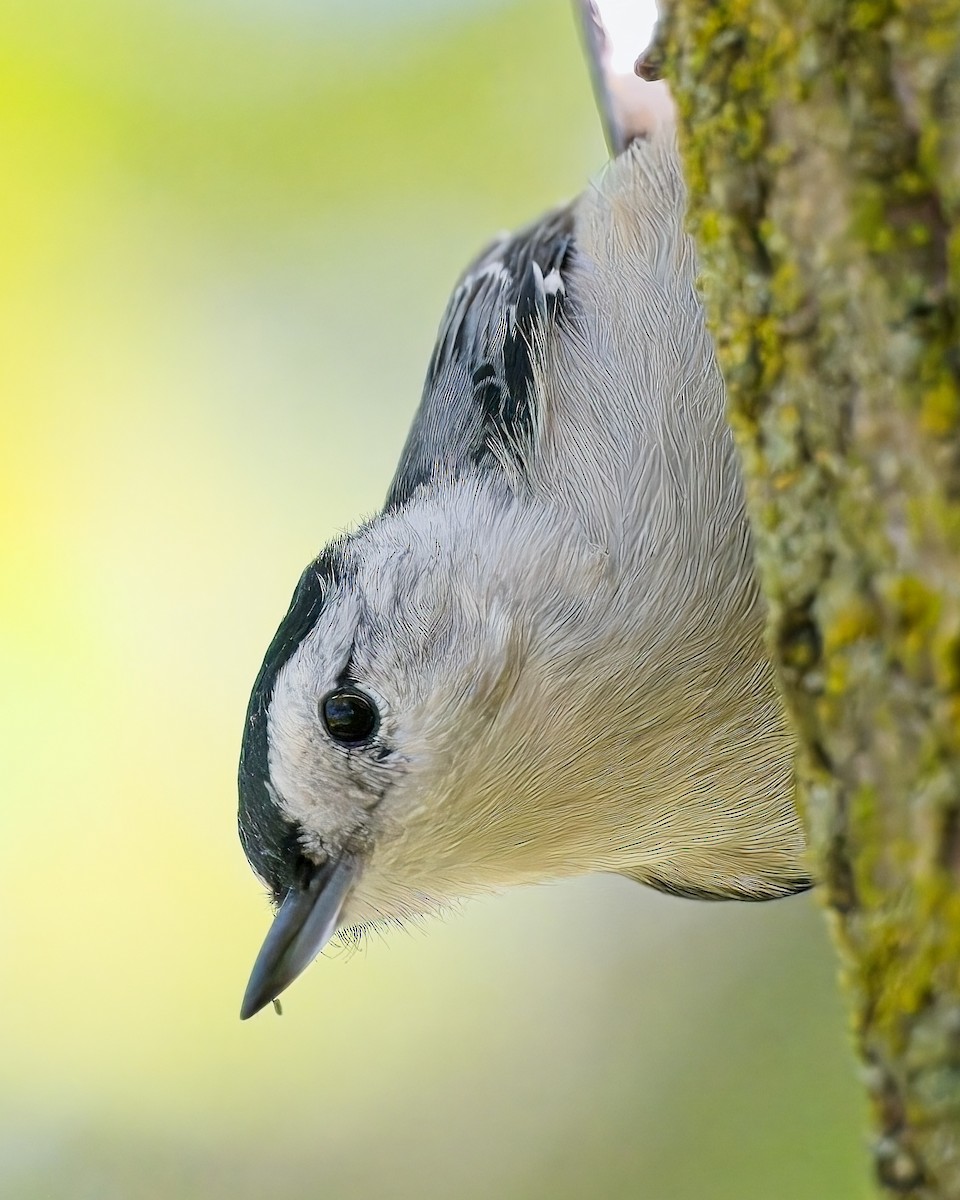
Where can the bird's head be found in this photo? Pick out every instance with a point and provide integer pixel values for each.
(407, 723)
(468, 694)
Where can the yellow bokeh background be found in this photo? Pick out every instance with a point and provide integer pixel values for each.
(229, 229)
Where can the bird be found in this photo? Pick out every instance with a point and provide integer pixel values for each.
(545, 656)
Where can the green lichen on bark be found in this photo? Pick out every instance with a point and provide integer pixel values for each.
(822, 149)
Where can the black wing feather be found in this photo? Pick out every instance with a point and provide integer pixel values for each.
(478, 402)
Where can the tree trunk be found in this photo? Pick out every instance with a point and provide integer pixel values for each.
(822, 149)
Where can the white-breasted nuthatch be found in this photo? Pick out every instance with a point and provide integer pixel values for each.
(545, 655)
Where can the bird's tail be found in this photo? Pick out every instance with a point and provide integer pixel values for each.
(615, 34)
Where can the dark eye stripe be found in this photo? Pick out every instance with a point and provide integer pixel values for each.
(349, 715)
(270, 839)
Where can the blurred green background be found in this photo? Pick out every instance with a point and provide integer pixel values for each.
(229, 229)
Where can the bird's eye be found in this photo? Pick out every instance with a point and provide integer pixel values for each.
(349, 715)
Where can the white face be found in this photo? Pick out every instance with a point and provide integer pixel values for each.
(431, 649)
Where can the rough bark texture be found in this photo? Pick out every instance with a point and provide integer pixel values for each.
(822, 145)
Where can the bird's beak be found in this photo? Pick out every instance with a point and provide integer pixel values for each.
(307, 920)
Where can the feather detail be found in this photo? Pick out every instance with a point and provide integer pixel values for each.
(480, 404)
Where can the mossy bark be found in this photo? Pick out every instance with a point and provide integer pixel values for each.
(822, 148)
